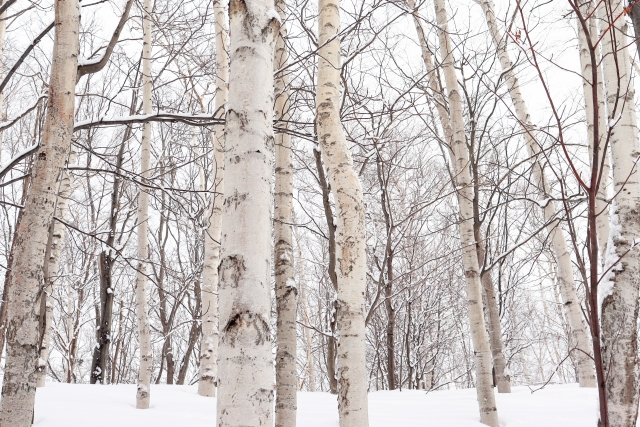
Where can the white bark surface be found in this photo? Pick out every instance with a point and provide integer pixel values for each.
(246, 374)
(20, 373)
(565, 280)
(464, 186)
(350, 231)
(585, 66)
(57, 244)
(286, 290)
(143, 395)
(493, 318)
(209, 346)
(619, 295)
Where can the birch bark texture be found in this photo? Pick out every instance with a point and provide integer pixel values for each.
(246, 375)
(464, 188)
(589, 103)
(55, 252)
(350, 231)
(565, 280)
(143, 394)
(493, 325)
(619, 294)
(209, 345)
(286, 290)
(32, 234)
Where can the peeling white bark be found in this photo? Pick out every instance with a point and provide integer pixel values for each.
(209, 346)
(245, 383)
(350, 231)
(21, 367)
(460, 160)
(286, 290)
(143, 395)
(620, 294)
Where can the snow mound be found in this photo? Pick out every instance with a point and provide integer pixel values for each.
(79, 405)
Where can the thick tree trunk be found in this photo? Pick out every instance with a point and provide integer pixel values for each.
(586, 374)
(286, 290)
(350, 237)
(464, 185)
(619, 294)
(209, 345)
(245, 384)
(143, 394)
(21, 367)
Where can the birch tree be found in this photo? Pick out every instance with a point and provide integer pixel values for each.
(565, 280)
(143, 395)
(22, 361)
(350, 229)
(618, 295)
(209, 345)
(245, 385)
(55, 245)
(460, 160)
(286, 290)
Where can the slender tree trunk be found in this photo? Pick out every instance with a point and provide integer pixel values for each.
(464, 185)
(586, 67)
(245, 385)
(350, 237)
(116, 353)
(619, 294)
(333, 277)
(20, 374)
(586, 374)
(143, 394)
(209, 346)
(55, 252)
(286, 290)
(194, 333)
(311, 374)
(502, 380)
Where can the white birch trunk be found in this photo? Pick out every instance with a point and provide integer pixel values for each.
(143, 395)
(302, 283)
(464, 186)
(494, 327)
(20, 373)
(286, 290)
(586, 373)
(619, 296)
(245, 380)
(602, 223)
(350, 231)
(57, 243)
(3, 28)
(209, 346)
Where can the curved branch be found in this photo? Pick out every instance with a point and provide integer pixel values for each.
(98, 65)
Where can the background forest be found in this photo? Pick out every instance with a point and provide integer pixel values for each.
(496, 141)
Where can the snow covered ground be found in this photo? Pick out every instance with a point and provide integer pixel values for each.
(64, 405)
